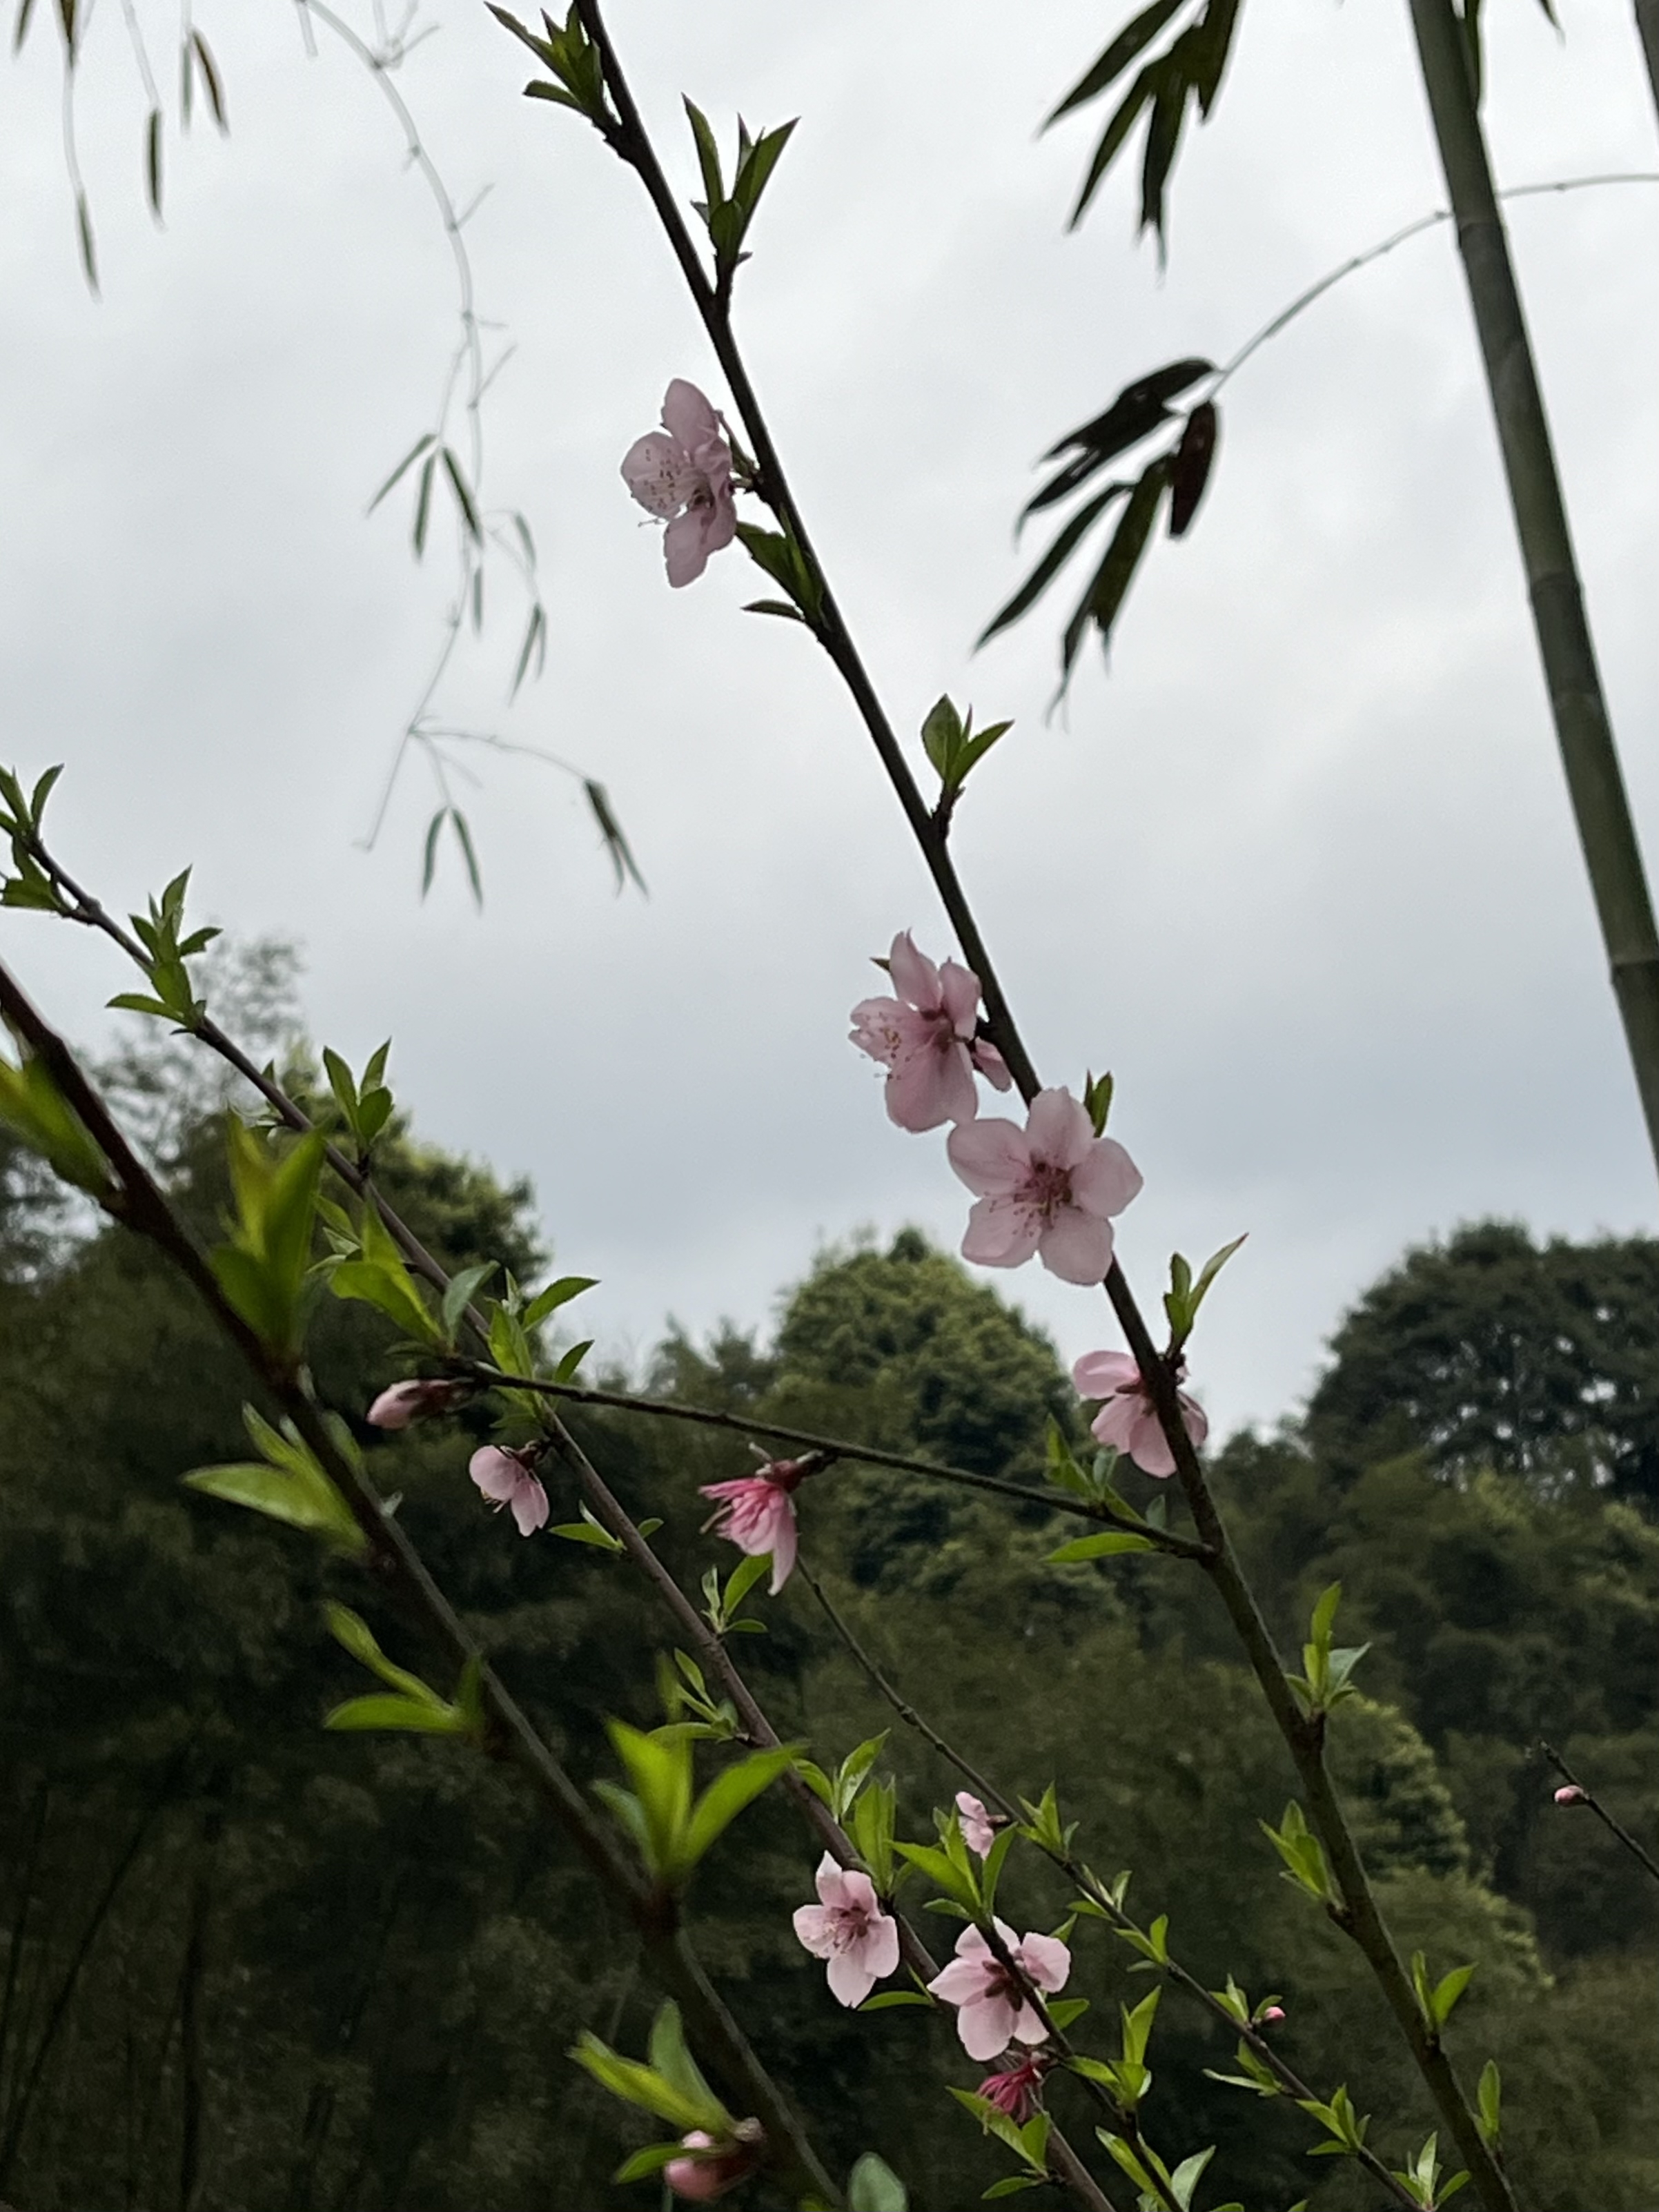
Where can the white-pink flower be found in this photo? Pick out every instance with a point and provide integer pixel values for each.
(979, 1830)
(849, 1927)
(1049, 1188)
(1128, 1420)
(757, 1514)
(683, 472)
(993, 2010)
(506, 1478)
(924, 1039)
(403, 1402)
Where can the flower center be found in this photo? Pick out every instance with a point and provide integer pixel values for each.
(1048, 1188)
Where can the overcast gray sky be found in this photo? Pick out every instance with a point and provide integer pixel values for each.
(1299, 869)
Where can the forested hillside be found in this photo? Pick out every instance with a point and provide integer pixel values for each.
(250, 1966)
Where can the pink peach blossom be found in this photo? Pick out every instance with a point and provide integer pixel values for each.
(979, 1829)
(992, 2007)
(757, 1514)
(507, 1478)
(925, 1038)
(849, 1927)
(1049, 1188)
(701, 2180)
(403, 1402)
(683, 473)
(1270, 2015)
(1014, 2090)
(1128, 1420)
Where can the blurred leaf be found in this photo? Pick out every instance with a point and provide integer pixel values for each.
(1137, 34)
(153, 161)
(1049, 566)
(616, 844)
(1190, 472)
(1107, 1545)
(407, 462)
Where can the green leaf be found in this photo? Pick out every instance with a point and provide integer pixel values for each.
(725, 1797)
(708, 158)
(463, 839)
(1107, 1543)
(1113, 137)
(1489, 2103)
(616, 844)
(555, 1295)
(353, 1635)
(464, 498)
(460, 1295)
(669, 2054)
(652, 2092)
(421, 444)
(1049, 566)
(409, 1714)
(1011, 2184)
(423, 503)
(885, 2000)
(1133, 39)
(652, 2158)
(1111, 582)
(1189, 472)
(874, 2187)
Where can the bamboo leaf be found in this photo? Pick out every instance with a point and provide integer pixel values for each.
(1049, 566)
(1190, 472)
(402, 469)
(211, 78)
(152, 161)
(1136, 35)
(463, 497)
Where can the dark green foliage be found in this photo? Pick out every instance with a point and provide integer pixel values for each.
(254, 1966)
(1490, 1350)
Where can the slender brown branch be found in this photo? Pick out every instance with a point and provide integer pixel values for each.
(1587, 1797)
(1359, 1915)
(835, 1448)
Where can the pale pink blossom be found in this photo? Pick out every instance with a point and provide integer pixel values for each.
(701, 2180)
(683, 472)
(979, 1828)
(849, 1927)
(507, 1478)
(1015, 2089)
(1571, 1793)
(395, 1408)
(1270, 2015)
(992, 2009)
(1128, 1420)
(757, 1514)
(924, 1037)
(1050, 1188)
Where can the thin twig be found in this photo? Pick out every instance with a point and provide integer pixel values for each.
(1587, 1797)
(833, 1448)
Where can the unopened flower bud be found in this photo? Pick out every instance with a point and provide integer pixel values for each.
(719, 2167)
(1571, 1793)
(1269, 2015)
(414, 1400)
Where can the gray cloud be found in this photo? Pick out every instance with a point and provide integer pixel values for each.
(1299, 869)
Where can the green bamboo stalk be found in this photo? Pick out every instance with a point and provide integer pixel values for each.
(1647, 28)
(1583, 730)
